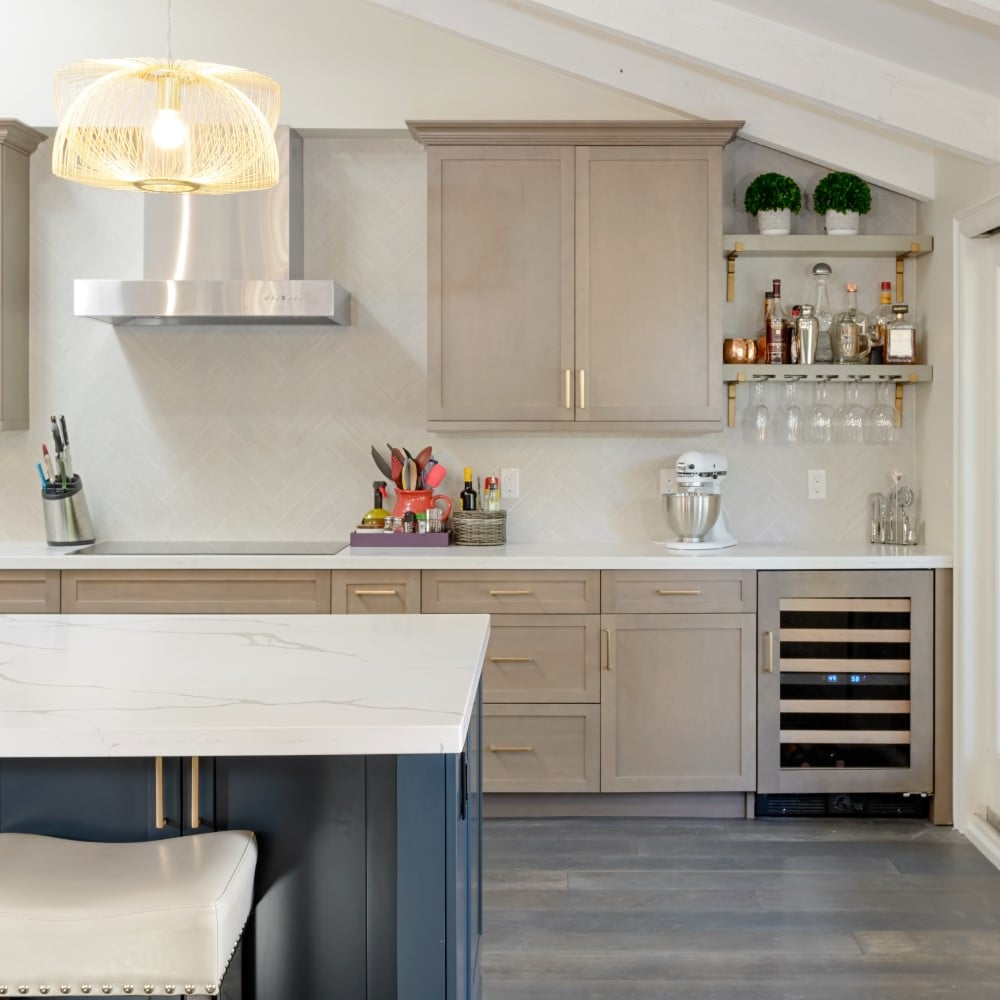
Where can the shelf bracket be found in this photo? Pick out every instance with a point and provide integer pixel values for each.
(731, 274)
(900, 261)
(899, 398)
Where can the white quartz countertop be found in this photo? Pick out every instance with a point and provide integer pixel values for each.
(520, 556)
(237, 685)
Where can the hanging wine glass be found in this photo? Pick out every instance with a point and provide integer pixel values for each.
(819, 420)
(882, 420)
(790, 421)
(757, 420)
(849, 420)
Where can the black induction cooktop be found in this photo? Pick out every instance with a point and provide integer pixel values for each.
(173, 548)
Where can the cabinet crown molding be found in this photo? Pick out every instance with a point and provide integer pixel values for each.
(17, 135)
(584, 133)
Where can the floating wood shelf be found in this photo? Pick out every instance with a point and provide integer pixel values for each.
(752, 245)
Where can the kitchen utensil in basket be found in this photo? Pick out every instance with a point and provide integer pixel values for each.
(479, 527)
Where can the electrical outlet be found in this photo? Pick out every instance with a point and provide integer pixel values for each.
(510, 483)
(817, 484)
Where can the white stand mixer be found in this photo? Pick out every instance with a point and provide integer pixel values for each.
(691, 495)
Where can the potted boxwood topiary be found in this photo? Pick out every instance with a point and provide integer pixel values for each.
(843, 198)
(772, 198)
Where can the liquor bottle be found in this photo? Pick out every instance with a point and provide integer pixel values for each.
(849, 334)
(821, 310)
(794, 343)
(762, 357)
(901, 338)
(878, 323)
(774, 324)
(375, 518)
(468, 496)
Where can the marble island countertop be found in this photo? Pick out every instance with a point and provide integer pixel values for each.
(518, 556)
(237, 685)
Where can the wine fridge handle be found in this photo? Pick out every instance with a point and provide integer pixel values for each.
(768, 652)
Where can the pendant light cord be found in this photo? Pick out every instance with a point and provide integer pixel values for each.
(170, 50)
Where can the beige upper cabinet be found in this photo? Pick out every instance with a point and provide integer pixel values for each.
(17, 143)
(573, 277)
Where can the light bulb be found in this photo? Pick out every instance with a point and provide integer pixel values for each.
(169, 130)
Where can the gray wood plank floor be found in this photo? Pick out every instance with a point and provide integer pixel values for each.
(835, 909)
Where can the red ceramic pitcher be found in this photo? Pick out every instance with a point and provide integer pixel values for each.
(420, 501)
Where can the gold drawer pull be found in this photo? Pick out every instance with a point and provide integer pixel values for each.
(512, 659)
(160, 819)
(494, 749)
(568, 388)
(195, 803)
(511, 593)
(376, 593)
(609, 635)
(679, 593)
(582, 400)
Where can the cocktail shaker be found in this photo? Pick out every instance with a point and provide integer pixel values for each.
(808, 326)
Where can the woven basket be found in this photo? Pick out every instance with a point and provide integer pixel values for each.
(479, 527)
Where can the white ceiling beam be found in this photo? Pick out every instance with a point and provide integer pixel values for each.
(680, 88)
(983, 10)
(804, 67)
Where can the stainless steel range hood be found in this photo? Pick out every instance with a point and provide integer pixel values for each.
(235, 258)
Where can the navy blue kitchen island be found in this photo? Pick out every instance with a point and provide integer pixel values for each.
(369, 877)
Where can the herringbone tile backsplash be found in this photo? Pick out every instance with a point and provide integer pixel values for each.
(264, 433)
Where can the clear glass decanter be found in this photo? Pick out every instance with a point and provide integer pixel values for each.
(822, 312)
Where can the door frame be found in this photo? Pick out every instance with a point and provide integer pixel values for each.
(975, 531)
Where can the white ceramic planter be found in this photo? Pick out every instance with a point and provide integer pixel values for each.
(842, 223)
(774, 223)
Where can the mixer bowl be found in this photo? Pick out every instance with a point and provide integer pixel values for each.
(692, 515)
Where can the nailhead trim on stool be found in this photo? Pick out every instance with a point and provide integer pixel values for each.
(109, 910)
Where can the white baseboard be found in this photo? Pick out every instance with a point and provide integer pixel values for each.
(985, 837)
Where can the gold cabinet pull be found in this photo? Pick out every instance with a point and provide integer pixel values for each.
(195, 795)
(511, 593)
(512, 659)
(568, 388)
(376, 593)
(160, 819)
(610, 640)
(768, 652)
(494, 749)
(583, 388)
(679, 593)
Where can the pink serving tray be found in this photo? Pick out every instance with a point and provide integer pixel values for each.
(394, 540)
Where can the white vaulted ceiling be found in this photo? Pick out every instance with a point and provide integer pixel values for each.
(885, 88)
(876, 85)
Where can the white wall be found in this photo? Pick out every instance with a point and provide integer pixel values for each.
(222, 432)
(342, 64)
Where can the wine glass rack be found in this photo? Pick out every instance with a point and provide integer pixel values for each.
(900, 375)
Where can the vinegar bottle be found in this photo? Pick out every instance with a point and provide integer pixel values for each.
(375, 518)
(468, 496)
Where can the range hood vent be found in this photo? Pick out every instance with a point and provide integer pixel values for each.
(235, 258)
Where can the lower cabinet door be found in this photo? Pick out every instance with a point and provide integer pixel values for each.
(90, 798)
(678, 703)
(541, 748)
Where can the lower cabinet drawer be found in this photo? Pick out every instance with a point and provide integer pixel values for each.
(29, 591)
(543, 658)
(541, 748)
(376, 592)
(196, 591)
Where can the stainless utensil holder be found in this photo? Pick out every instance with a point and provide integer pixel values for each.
(67, 520)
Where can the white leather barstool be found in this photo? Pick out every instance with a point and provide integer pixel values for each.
(159, 918)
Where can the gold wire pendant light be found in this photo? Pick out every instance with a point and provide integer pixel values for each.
(165, 125)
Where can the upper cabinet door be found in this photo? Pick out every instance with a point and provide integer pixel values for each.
(500, 283)
(648, 286)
